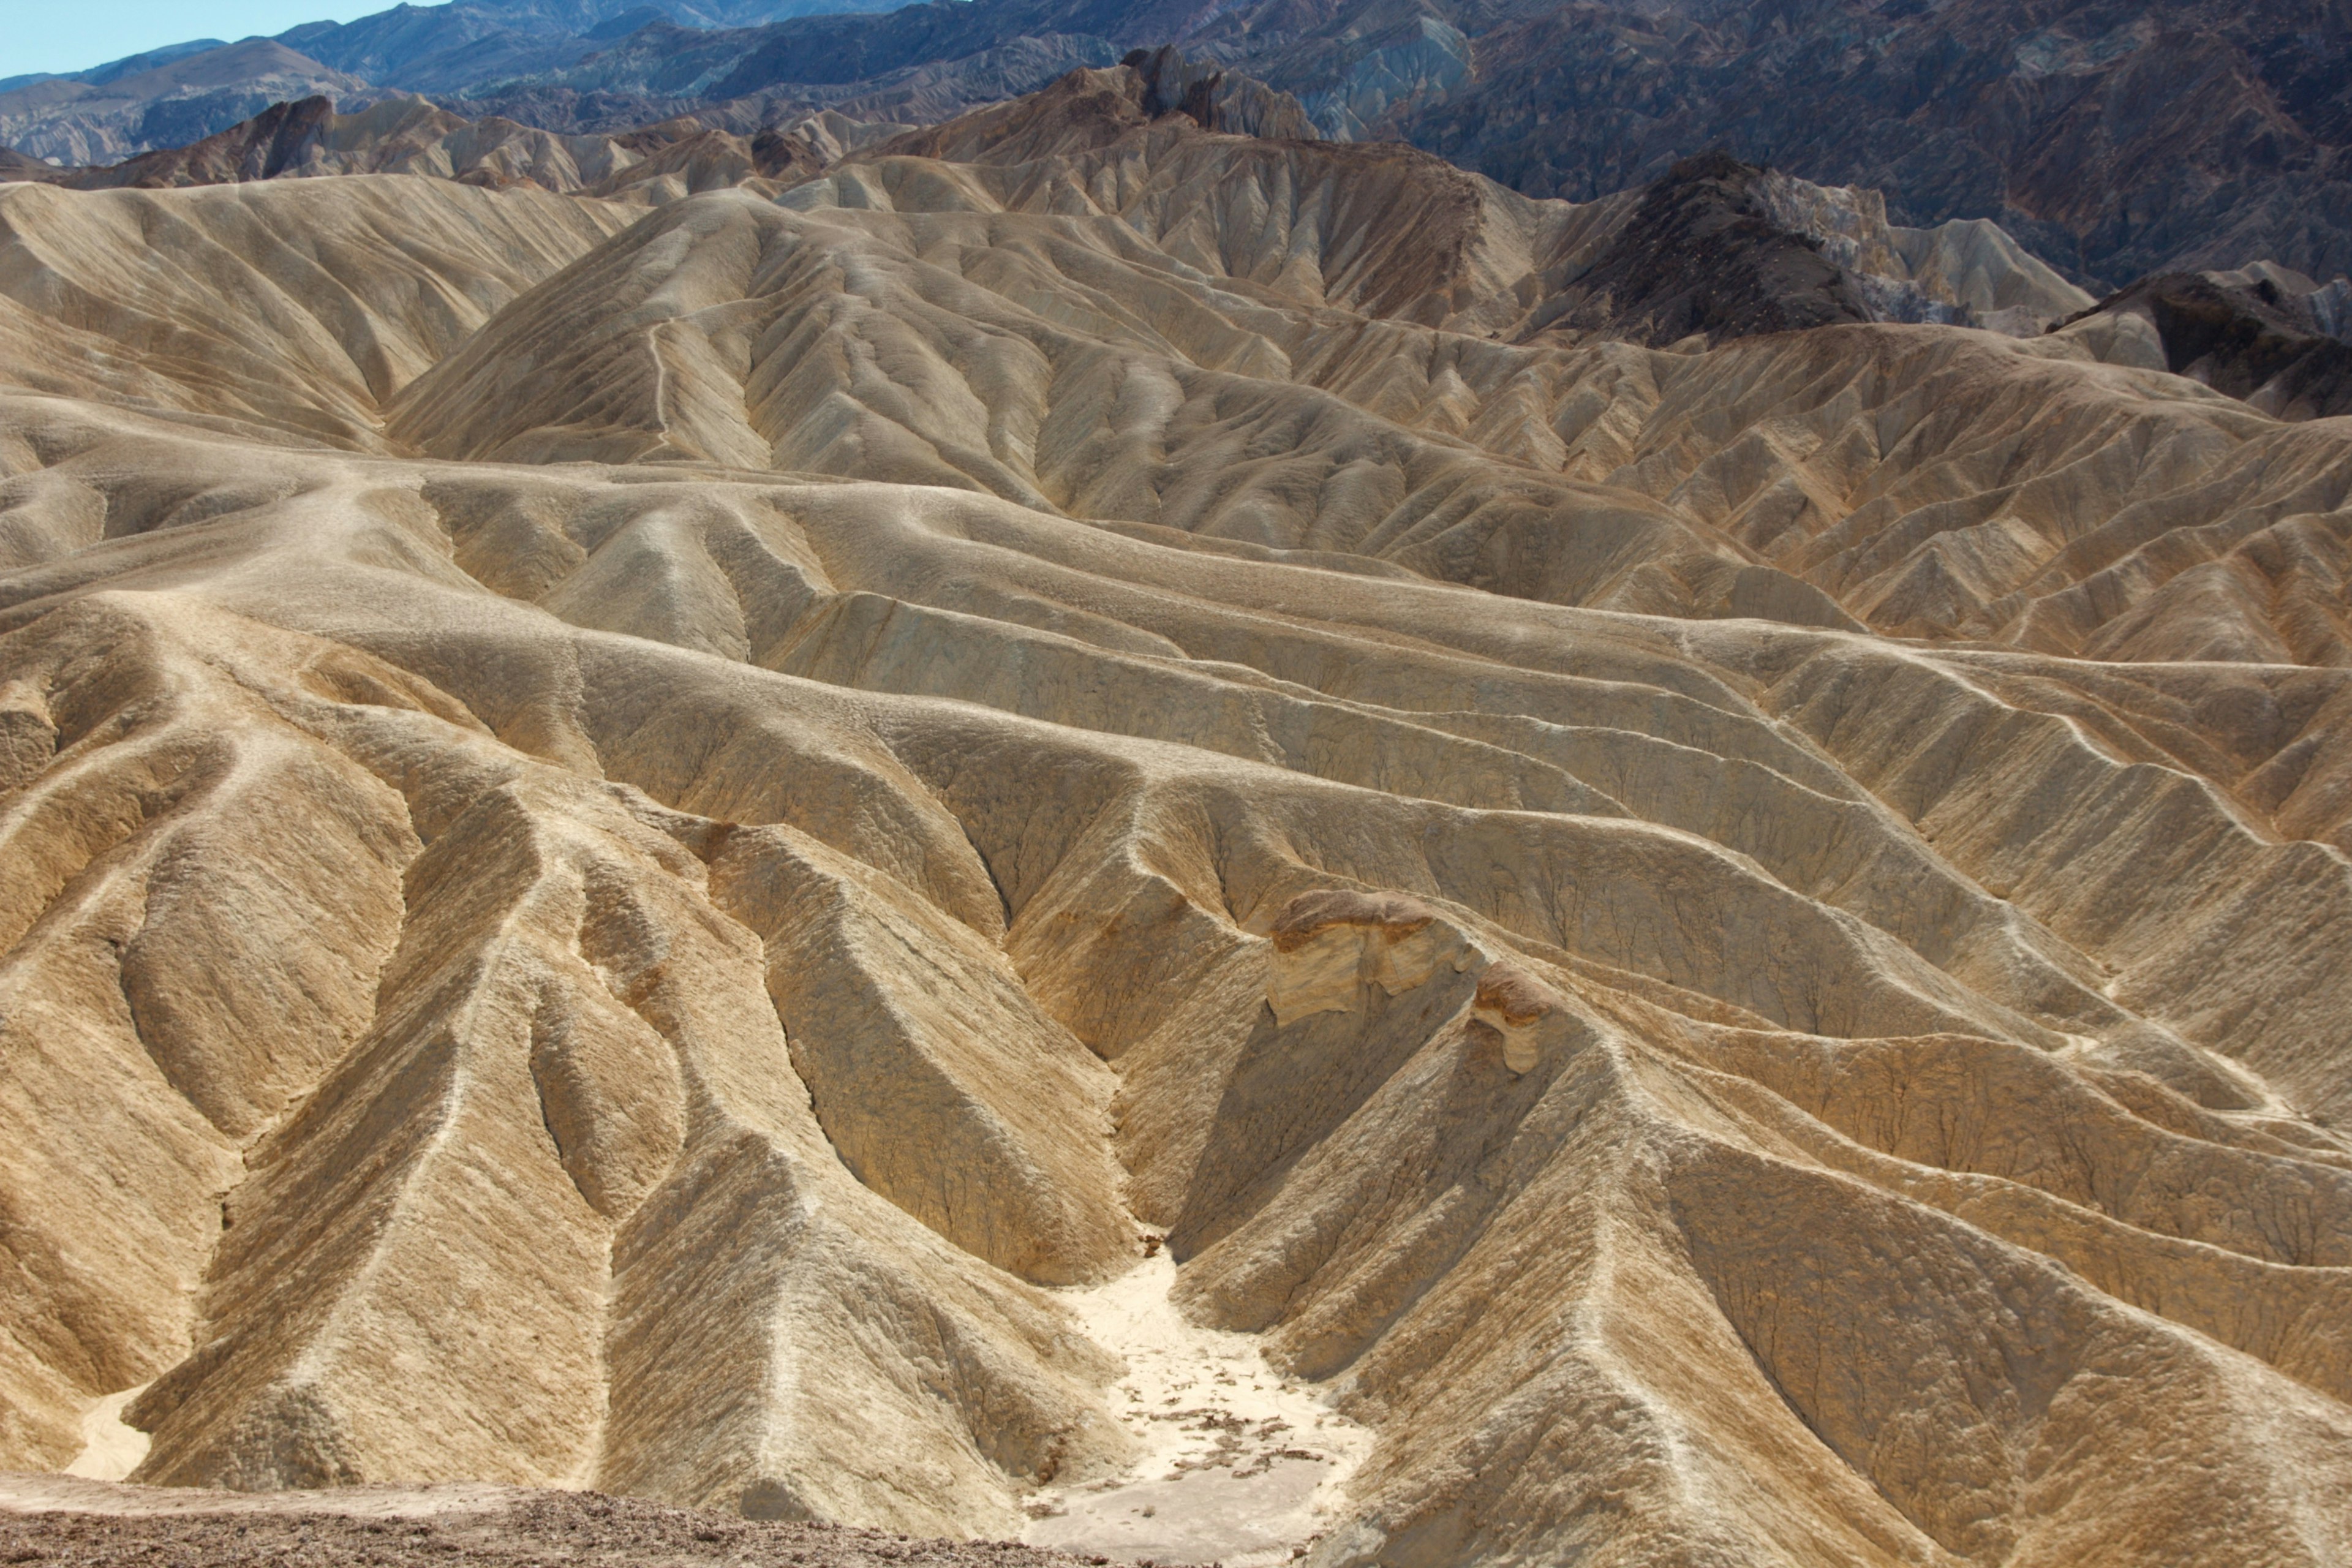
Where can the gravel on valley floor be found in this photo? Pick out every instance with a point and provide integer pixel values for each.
(548, 1530)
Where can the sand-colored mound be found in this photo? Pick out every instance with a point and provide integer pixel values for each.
(1226, 337)
(644, 899)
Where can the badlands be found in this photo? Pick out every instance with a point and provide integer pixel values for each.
(802, 843)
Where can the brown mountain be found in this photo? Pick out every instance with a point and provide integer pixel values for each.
(409, 136)
(2115, 142)
(1716, 247)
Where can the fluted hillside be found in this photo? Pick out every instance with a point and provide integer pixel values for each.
(771, 854)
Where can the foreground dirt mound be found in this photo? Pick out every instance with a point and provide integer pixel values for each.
(84, 1524)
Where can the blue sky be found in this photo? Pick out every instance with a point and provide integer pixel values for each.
(74, 35)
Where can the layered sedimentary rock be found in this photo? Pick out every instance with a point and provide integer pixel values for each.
(632, 836)
(2179, 135)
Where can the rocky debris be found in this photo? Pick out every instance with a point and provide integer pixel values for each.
(2264, 334)
(1235, 1462)
(92, 1525)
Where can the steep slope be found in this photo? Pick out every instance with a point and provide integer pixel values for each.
(300, 308)
(1738, 947)
(1926, 484)
(1797, 254)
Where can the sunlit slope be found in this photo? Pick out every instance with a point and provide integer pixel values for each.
(621, 909)
(1053, 333)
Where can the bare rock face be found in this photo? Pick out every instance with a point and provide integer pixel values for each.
(1217, 99)
(1328, 945)
(2263, 333)
(1702, 255)
(1716, 248)
(643, 849)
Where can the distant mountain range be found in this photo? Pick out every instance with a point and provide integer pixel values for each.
(136, 105)
(2115, 141)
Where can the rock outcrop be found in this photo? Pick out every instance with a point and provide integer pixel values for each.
(2261, 333)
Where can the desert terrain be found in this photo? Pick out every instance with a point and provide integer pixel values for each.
(1660, 880)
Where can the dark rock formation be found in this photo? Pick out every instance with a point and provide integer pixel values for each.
(260, 148)
(1701, 255)
(1217, 99)
(2261, 334)
(2117, 141)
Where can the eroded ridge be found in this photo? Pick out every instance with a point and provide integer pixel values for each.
(653, 905)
